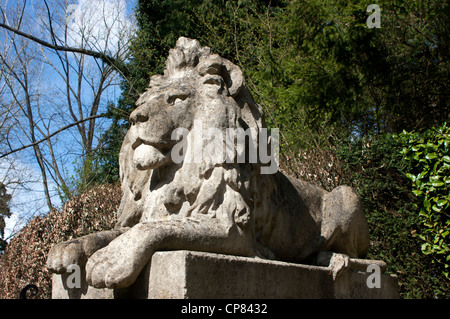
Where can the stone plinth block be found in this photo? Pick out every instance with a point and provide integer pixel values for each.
(189, 274)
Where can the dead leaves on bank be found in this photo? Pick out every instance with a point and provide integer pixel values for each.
(24, 260)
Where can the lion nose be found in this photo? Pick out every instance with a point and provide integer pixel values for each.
(139, 115)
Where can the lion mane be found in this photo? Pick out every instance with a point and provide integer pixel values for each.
(187, 189)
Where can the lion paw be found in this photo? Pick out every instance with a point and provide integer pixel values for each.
(64, 254)
(337, 263)
(112, 267)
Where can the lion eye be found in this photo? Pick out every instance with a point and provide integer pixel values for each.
(177, 98)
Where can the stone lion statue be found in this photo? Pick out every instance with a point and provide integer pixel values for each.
(228, 207)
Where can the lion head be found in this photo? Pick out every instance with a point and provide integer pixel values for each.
(197, 86)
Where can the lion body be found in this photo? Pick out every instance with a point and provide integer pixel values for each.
(218, 207)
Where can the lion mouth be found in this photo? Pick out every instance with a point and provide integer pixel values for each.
(213, 79)
(161, 145)
(149, 155)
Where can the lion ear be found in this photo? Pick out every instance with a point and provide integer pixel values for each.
(231, 73)
(233, 78)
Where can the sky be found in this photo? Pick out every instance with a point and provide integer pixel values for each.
(92, 17)
(88, 22)
(28, 199)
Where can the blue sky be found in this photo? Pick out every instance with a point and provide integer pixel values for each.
(51, 103)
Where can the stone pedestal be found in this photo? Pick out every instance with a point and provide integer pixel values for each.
(188, 274)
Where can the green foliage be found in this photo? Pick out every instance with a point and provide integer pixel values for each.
(314, 66)
(339, 73)
(375, 167)
(99, 169)
(429, 155)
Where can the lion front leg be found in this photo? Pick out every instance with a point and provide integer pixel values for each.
(118, 264)
(78, 250)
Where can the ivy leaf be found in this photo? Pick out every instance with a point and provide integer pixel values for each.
(427, 204)
(442, 202)
(436, 209)
(437, 183)
(412, 177)
(422, 175)
(426, 248)
(417, 192)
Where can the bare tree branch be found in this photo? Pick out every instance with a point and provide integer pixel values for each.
(52, 134)
(118, 65)
(36, 107)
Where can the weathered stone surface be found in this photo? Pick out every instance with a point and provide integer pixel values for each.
(61, 290)
(226, 207)
(197, 275)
